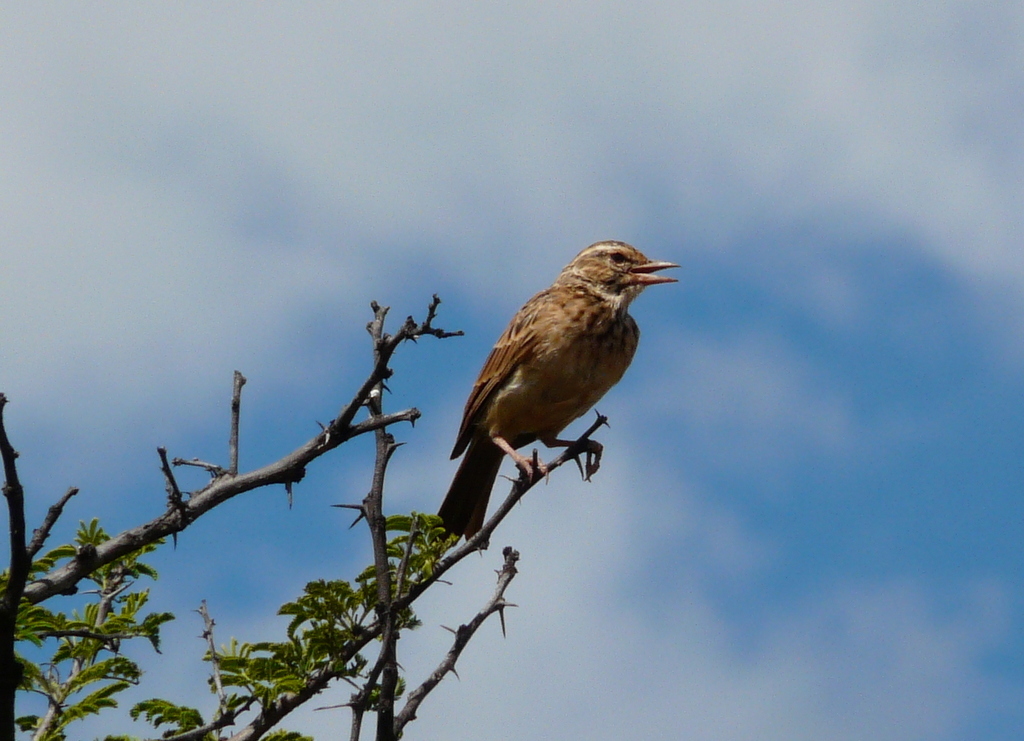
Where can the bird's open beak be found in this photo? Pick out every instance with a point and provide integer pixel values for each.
(644, 274)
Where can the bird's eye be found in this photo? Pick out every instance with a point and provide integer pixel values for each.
(618, 258)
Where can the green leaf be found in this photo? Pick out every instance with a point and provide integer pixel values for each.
(280, 735)
(116, 667)
(159, 712)
(27, 723)
(91, 534)
(93, 703)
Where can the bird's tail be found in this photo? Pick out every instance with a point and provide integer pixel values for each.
(465, 506)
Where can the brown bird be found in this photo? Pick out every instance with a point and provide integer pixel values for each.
(559, 355)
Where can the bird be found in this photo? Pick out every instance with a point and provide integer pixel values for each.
(558, 356)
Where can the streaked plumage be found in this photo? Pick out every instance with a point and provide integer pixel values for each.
(561, 352)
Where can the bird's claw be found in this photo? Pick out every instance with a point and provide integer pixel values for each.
(594, 450)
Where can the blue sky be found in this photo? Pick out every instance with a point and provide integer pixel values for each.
(808, 521)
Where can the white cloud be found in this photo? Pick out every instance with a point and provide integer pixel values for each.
(151, 153)
(184, 186)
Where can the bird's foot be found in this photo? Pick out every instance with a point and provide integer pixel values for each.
(533, 469)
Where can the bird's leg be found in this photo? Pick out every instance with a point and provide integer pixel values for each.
(532, 468)
(592, 448)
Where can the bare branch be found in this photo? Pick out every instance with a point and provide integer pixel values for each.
(214, 657)
(463, 635)
(236, 407)
(383, 350)
(213, 469)
(384, 420)
(40, 534)
(174, 498)
(288, 470)
(360, 700)
(404, 563)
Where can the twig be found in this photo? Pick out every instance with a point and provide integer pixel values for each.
(383, 351)
(361, 700)
(214, 657)
(463, 635)
(403, 565)
(40, 534)
(384, 420)
(102, 637)
(174, 498)
(212, 468)
(225, 717)
(236, 407)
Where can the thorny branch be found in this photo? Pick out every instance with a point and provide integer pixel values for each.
(373, 507)
(174, 498)
(225, 716)
(287, 470)
(41, 533)
(383, 626)
(481, 540)
(214, 657)
(227, 483)
(496, 604)
(273, 713)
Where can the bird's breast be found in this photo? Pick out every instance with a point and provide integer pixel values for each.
(575, 361)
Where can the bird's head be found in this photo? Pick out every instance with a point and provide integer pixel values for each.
(616, 270)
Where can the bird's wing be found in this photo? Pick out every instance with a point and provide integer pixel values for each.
(517, 343)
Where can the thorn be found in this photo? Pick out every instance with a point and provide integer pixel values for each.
(358, 507)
